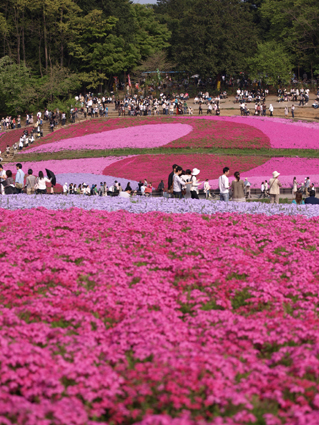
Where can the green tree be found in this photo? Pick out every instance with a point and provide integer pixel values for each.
(295, 24)
(214, 37)
(271, 64)
(16, 86)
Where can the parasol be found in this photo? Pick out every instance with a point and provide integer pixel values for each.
(51, 176)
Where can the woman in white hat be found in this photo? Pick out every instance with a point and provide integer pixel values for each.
(274, 188)
(195, 183)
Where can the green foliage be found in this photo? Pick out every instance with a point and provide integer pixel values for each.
(16, 86)
(271, 63)
(52, 48)
(294, 24)
(21, 90)
(215, 37)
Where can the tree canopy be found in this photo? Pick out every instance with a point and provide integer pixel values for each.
(88, 43)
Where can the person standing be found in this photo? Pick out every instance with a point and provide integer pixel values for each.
(271, 110)
(223, 184)
(262, 190)
(65, 189)
(238, 189)
(41, 184)
(307, 186)
(2, 179)
(294, 186)
(207, 188)
(19, 178)
(30, 182)
(187, 177)
(247, 188)
(178, 183)
(293, 111)
(266, 188)
(160, 187)
(286, 111)
(170, 178)
(195, 183)
(274, 188)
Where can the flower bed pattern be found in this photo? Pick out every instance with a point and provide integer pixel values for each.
(219, 329)
(282, 133)
(10, 137)
(288, 168)
(206, 133)
(228, 135)
(83, 165)
(140, 205)
(79, 178)
(146, 136)
(157, 167)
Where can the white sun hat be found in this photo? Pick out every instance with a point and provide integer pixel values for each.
(195, 171)
(275, 174)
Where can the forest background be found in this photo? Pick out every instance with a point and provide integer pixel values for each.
(53, 49)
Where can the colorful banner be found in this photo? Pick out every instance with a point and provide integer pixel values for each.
(129, 80)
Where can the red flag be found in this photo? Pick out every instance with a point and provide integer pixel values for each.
(129, 80)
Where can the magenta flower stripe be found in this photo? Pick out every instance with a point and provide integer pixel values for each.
(288, 169)
(83, 165)
(282, 133)
(158, 318)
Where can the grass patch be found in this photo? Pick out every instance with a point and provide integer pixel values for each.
(77, 154)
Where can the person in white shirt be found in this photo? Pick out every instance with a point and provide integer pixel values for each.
(125, 194)
(223, 184)
(2, 174)
(271, 110)
(247, 189)
(266, 188)
(207, 188)
(195, 183)
(187, 188)
(178, 183)
(65, 189)
(262, 189)
(41, 184)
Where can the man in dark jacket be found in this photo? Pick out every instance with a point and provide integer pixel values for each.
(170, 177)
(312, 198)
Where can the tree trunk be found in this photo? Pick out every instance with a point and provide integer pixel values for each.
(40, 57)
(23, 42)
(16, 18)
(61, 37)
(45, 41)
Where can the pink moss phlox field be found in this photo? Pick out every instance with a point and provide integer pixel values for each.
(157, 167)
(205, 134)
(228, 135)
(82, 165)
(288, 169)
(146, 136)
(158, 319)
(10, 137)
(283, 134)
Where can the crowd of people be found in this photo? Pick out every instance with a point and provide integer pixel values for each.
(90, 105)
(134, 105)
(115, 189)
(182, 184)
(29, 183)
